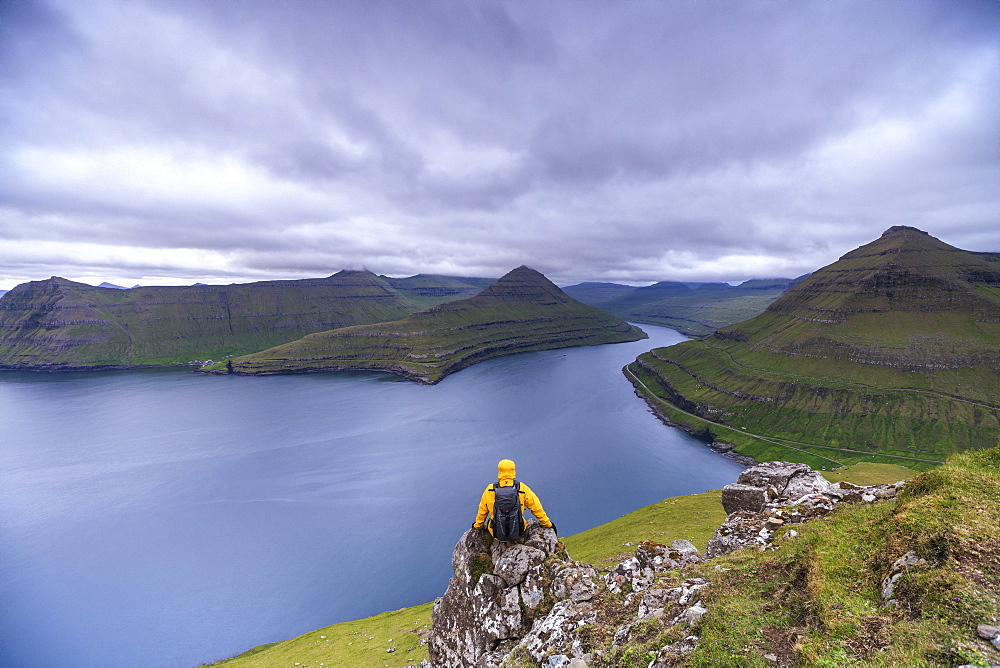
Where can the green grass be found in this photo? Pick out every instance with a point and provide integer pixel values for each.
(694, 517)
(870, 473)
(816, 601)
(363, 642)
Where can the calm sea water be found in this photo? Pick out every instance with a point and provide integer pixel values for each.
(164, 518)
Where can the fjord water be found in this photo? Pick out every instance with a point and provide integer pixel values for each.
(165, 518)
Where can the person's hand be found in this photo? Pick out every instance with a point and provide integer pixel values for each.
(553, 527)
(475, 527)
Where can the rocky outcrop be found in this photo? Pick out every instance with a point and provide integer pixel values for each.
(768, 497)
(529, 603)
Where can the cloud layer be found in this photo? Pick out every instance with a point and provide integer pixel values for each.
(229, 141)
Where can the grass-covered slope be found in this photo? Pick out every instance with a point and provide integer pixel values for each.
(693, 310)
(57, 323)
(817, 601)
(892, 350)
(520, 312)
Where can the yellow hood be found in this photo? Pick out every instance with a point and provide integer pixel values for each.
(505, 473)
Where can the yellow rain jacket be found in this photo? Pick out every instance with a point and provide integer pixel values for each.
(505, 477)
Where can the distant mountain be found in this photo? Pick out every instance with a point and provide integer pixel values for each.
(105, 284)
(61, 324)
(520, 312)
(893, 349)
(3, 292)
(694, 309)
(431, 289)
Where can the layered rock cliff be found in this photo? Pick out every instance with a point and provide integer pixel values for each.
(61, 324)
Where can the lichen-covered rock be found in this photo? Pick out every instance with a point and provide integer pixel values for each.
(771, 474)
(771, 495)
(553, 634)
(738, 496)
(685, 552)
(805, 482)
(629, 574)
(738, 531)
(515, 563)
(482, 606)
(578, 583)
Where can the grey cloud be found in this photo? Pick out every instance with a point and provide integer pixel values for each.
(644, 140)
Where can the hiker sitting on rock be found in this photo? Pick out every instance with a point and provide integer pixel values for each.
(504, 501)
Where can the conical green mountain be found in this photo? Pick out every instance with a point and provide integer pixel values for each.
(893, 349)
(522, 311)
(60, 324)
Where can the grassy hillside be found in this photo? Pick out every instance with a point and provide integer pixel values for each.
(58, 323)
(891, 351)
(520, 312)
(817, 600)
(693, 310)
(364, 642)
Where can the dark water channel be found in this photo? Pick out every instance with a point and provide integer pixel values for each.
(163, 518)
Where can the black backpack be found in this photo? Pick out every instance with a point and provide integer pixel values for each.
(507, 521)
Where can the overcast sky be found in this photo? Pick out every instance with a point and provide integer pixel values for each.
(168, 142)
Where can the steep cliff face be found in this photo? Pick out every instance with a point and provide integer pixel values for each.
(58, 324)
(522, 311)
(529, 604)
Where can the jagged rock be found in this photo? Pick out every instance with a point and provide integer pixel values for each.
(481, 609)
(515, 563)
(689, 588)
(899, 567)
(685, 552)
(576, 582)
(533, 587)
(771, 474)
(553, 634)
(739, 530)
(654, 602)
(743, 497)
(629, 573)
(803, 483)
(690, 615)
(528, 599)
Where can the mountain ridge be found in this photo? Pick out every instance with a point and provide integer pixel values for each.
(693, 309)
(894, 348)
(61, 324)
(521, 311)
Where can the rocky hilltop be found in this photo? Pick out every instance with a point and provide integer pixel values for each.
(802, 572)
(522, 311)
(893, 349)
(61, 324)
